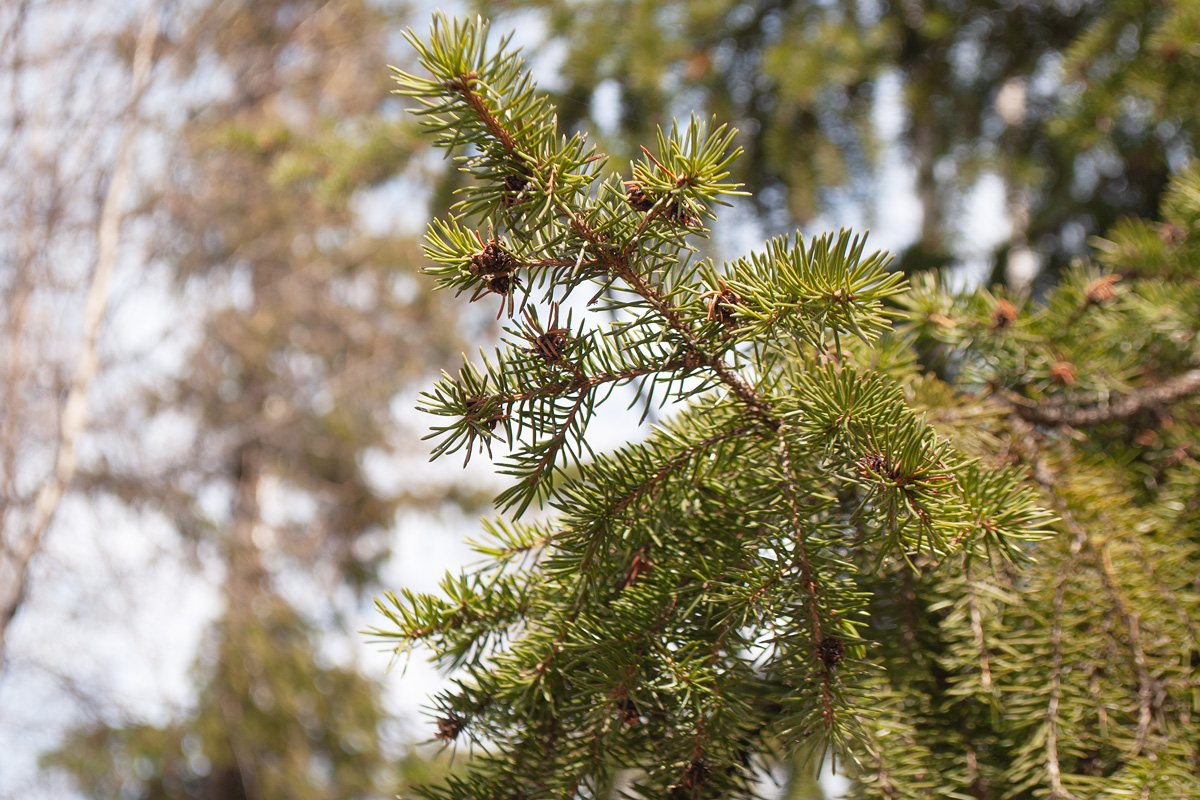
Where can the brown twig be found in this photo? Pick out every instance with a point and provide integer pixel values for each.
(985, 667)
(462, 85)
(808, 578)
(559, 440)
(1124, 407)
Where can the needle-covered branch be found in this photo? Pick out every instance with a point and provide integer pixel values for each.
(694, 607)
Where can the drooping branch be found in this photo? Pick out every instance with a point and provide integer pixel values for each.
(1100, 554)
(1124, 407)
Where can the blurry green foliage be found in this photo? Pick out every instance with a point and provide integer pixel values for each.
(1082, 107)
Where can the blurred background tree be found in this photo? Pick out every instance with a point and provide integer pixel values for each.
(310, 321)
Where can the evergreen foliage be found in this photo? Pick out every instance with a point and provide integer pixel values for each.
(947, 538)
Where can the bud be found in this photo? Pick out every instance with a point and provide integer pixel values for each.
(1100, 290)
(1003, 315)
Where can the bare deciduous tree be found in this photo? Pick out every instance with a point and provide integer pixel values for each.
(54, 154)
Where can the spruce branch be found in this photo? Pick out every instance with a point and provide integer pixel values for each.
(696, 605)
(462, 84)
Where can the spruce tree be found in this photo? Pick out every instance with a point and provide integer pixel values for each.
(946, 539)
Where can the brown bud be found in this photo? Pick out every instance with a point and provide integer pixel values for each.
(1172, 233)
(637, 196)
(449, 727)
(679, 213)
(1003, 315)
(831, 651)
(875, 464)
(493, 260)
(1063, 373)
(721, 306)
(475, 406)
(550, 346)
(1147, 438)
(696, 773)
(501, 284)
(513, 186)
(630, 714)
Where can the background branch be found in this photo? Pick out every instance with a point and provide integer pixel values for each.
(1124, 407)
